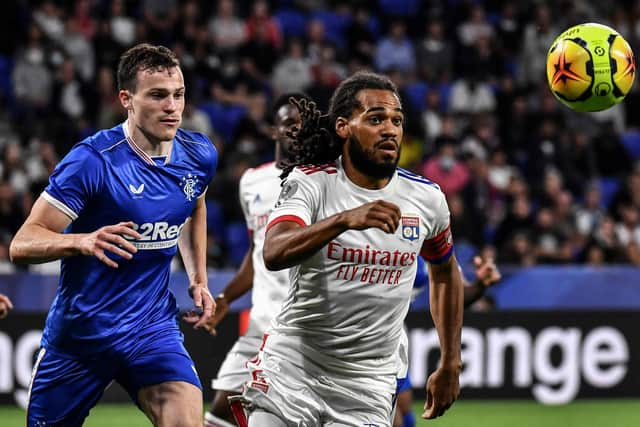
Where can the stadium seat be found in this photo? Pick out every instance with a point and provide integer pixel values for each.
(335, 25)
(416, 94)
(237, 241)
(631, 141)
(6, 68)
(608, 189)
(292, 23)
(399, 7)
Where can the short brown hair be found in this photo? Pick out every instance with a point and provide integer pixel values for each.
(143, 56)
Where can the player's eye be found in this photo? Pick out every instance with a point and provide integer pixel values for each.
(375, 120)
(179, 95)
(397, 121)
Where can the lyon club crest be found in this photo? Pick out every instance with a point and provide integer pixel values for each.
(410, 227)
(189, 184)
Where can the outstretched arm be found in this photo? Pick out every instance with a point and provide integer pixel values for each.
(288, 242)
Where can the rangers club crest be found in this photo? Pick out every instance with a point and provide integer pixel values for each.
(410, 227)
(188, 184)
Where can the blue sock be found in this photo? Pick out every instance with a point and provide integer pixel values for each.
(409, 419)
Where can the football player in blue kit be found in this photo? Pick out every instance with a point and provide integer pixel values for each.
(117, 208)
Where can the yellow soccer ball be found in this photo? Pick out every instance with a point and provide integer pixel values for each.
(590, 67)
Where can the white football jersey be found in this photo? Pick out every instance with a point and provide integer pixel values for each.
(348, 301)
(258, 191)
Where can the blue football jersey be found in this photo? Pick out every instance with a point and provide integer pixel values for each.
(103, 180)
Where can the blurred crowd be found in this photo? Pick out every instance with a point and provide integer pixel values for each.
(527, 179)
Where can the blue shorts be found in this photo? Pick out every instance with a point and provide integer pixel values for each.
(64, 387)
(402, 384)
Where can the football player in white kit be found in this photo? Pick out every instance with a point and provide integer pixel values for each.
(258, 193)
(351, 230)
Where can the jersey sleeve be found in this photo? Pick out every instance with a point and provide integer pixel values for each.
(297, 202)
(75, 180)
(438, 245)
(210, 162)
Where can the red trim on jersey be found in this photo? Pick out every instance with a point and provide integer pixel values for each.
(438, 247)
(264, 341)
(292, 218)
(250, 233)
(329, 168)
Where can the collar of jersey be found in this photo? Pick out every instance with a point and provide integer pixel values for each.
(381, 191)
(139, 151)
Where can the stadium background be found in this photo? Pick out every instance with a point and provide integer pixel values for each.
(554, 195)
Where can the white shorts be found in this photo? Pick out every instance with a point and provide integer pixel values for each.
(309, 396)
(233, 372)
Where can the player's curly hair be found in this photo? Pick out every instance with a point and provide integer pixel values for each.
(317, 142)
(143, 56)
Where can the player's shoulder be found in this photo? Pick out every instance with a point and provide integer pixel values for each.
(319, 173)
(197, 144)
(95, 148)
(104, 140)
(418, 182)
(261, 173)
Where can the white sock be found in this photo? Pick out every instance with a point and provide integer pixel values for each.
(211, 420)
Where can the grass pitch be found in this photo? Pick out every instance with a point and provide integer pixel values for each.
(490, 413)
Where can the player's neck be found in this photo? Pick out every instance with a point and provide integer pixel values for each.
(361, 179)
(146, 142)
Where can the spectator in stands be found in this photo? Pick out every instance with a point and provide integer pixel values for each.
(434, 53)
(292, 73)
(589, 214)
(79, 49)
(497, 68)
(11, 214)
(471, 94)
(32, 79)
(444, 168)
(361, 41)
(538, 36)
(160, 17)
(261, 21)
(122, 27)
(395, 50)
(474, 27)
(228, 32)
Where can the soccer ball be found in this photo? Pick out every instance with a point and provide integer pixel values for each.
(590, 67)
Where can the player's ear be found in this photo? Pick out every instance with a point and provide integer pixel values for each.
(342, 128)
(125, 99)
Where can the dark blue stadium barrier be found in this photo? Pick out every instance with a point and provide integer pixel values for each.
(536, 288)
(562, 288)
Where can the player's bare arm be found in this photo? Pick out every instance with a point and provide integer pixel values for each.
(5, 306)
(40, 239)
(288, 243)
(446, 302)
(193, 248)
(239, 285)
